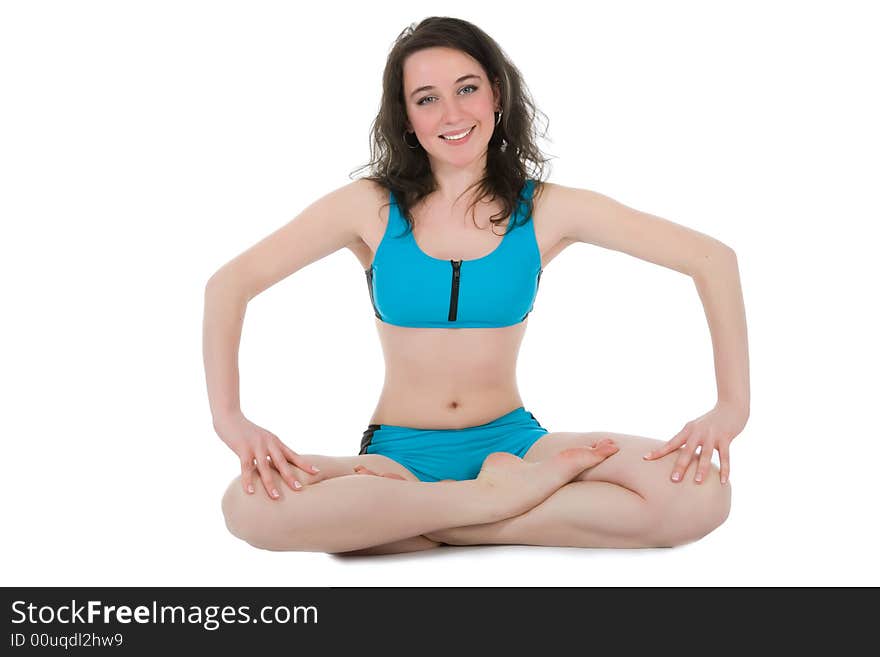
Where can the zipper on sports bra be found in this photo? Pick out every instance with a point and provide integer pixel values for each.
(453, 299)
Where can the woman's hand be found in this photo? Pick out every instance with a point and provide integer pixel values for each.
(259, 449)
(714, 430)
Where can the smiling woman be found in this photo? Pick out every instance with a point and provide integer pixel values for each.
(461, 459)
(442, 78)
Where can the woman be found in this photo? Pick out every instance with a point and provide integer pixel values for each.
(451, 455)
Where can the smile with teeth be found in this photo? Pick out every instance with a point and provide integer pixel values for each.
(460, 135)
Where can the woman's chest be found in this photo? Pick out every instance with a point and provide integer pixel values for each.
(444, 235)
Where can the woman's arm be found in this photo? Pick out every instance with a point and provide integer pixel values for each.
(717, 281)
(586, 216)
(718, 284)
(225, 307)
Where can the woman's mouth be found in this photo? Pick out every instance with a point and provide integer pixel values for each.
(458, 138)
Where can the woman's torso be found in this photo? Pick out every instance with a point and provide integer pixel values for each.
(437, 378)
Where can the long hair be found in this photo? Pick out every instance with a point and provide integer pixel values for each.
(512, 156)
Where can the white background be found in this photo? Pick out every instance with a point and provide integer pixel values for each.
(146, 144)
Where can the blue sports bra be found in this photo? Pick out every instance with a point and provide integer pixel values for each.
(410, 288)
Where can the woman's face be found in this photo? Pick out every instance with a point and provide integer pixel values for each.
(452, 104)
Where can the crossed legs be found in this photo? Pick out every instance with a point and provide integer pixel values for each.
(620, 501)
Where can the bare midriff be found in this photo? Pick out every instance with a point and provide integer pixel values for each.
(448, 378)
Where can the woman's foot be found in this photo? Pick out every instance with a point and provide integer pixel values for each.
(514, 486)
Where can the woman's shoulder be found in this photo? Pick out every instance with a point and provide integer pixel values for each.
(371, 186)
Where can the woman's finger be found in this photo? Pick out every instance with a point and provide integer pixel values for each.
(685, 455)
(284, 468)
(673, 444)
(705, 463)
(296, 459)
(266, 476)
(247, 474)
(724, 451)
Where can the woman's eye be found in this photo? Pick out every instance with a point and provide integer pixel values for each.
(470, 86)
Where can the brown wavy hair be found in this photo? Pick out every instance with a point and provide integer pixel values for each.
(512, 157)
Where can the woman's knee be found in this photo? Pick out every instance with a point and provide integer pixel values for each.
(248, 516)
(690, 511)
(232, 505)
(251, 516)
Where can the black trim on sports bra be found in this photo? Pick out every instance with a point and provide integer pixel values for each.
(537, 287)
(369, 273)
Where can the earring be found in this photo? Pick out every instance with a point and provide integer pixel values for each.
(503, 141)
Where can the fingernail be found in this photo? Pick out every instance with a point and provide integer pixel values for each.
(647, 455)
(250, 489)
(699, 477)
(675, 476)
(274, 493)
(723, 480)
(316, 468)
(297, 485)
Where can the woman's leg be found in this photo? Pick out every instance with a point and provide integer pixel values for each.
(624, 501)
(338, 466)
(625, 522)
(352, 512)
(593, 514)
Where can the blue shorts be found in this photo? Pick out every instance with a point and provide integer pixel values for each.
(435, 454)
